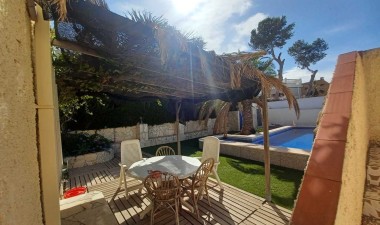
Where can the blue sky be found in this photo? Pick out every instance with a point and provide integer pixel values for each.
(225, 25)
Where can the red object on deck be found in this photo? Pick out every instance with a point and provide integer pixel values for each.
(74, 192)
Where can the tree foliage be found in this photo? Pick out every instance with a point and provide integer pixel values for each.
(306, 54)
(272, 32)
(81, 81)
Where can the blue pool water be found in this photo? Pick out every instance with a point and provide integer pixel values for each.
(295, 137)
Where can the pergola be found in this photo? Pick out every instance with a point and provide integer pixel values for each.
(158, 61)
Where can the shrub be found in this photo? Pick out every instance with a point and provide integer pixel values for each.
(79, 144)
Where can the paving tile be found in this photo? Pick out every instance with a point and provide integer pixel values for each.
(317, 202)
(345, 69)
(333, 127)
(326, 160)
(347, 57)
(339, 103)
(342, 84)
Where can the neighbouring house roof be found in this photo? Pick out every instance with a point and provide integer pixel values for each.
(158, 61)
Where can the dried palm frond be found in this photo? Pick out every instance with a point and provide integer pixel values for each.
(208, 107)
(101, 3)
(221, 120)
(267, 82)
(146, 18)
(242, 66)
(237, 62)
(62, 10)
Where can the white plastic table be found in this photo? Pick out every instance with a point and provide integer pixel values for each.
(178, 165)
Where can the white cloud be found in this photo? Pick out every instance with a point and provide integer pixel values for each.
(210, 19)
(243, 33)
(244, 28)
(297, 73)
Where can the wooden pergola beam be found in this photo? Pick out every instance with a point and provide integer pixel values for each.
(75, 47)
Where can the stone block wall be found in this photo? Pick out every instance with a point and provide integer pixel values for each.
(162, 130)
(89, 159)
(155, 134)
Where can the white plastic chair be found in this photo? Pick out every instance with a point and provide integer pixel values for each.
(130, 152)
(211, 149)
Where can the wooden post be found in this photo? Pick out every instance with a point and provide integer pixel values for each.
(268, 195)
(177, 109)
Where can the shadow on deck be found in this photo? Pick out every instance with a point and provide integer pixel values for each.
(228, 206)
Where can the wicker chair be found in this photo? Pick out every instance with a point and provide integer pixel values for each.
(165, 150)
(164, 191)
(195, 186)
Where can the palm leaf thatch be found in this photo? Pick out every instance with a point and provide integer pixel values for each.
(62, 9)
(235, 61)
(169, 38)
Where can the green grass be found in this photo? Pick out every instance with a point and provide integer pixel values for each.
(249, 175)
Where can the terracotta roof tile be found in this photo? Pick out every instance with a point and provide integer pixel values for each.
(333, 127)
(339, 103)
(342, 84)
(326, 159)
(345, 69)
(319, 193)
(347, 57)
(317, 202)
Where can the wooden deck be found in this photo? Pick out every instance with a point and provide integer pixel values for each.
(230, 206)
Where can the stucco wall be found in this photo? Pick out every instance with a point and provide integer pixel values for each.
(19, 178)
(371, 61)
(354, 166)
(279, 112)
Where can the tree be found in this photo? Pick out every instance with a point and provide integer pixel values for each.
(271, 33)
(265, 65)
(306, 54)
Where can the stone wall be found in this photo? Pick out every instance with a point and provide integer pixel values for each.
(155, 134)
(89, 159)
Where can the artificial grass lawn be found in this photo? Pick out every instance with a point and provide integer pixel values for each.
(249, 175)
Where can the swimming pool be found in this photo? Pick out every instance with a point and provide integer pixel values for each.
(292, 137)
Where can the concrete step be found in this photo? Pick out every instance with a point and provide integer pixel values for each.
(371, 206)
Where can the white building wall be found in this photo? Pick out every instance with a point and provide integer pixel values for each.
(280, 114)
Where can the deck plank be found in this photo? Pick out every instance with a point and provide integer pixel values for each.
(228, 206)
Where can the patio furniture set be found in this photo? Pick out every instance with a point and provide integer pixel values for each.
(170, 180)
